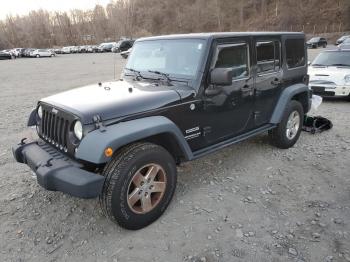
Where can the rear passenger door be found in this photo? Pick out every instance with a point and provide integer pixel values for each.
(268, 77)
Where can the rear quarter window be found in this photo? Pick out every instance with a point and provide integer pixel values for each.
(295, 53)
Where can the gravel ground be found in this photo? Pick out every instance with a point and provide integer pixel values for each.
(248, 202)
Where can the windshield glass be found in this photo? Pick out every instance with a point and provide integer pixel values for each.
(347, 40)
(332, 58)
(177, 57)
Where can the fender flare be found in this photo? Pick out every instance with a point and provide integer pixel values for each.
(286, 95)
(93, 145)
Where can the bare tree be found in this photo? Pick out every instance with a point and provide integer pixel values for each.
(135, 18)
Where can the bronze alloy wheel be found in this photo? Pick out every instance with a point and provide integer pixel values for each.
(146, 188)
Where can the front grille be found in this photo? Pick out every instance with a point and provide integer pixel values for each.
(322, 82)
(317, 89)
(325, 93)
(55, 129)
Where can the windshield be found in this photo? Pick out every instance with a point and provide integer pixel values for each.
(178, 57)
(347, 40)
(314, 39)
(332, 58)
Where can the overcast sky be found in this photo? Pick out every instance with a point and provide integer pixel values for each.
(22, 7)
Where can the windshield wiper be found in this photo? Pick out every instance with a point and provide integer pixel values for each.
(318, 65)
(165, 75)
(339, 65)
(137, 74)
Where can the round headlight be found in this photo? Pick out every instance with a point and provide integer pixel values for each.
(40, 112)
(347, 79)
(78, 130)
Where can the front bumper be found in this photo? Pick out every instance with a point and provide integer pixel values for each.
(57, 172)
(331, 91)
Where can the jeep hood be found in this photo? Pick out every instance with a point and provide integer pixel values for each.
(112, 100)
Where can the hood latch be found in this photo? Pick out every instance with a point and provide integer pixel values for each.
(98, 123)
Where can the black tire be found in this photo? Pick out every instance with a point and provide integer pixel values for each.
(278, 135)
(119, 173)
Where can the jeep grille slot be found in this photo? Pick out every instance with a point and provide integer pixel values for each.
(54, 129)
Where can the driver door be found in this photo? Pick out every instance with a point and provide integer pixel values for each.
(230, 112)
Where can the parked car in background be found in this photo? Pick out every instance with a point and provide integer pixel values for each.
(41, 53)
(330, 73)
(58, 50)
(125, 54)
(342, 39)
(5, 55)
(10, 52)
(15, 52)
(82, 49)
(92, 49)
(75, 49)
(316, 42)
(123, 45)
(28, 51)
(106, 47)
(345, 44)
(19, 52)
(66, 50)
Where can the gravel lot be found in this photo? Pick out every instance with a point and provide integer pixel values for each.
(248, 202)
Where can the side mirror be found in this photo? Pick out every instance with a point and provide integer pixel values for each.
(221, 76)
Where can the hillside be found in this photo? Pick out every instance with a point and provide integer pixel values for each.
(135, 18)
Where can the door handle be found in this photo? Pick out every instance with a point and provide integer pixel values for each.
(275, 82)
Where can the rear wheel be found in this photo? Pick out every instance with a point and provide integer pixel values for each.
(286, 134)
(139, 185)
(37, 56)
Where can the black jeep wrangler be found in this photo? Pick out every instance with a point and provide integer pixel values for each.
(180, 97)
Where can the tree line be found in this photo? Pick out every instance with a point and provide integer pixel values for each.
(135, 18)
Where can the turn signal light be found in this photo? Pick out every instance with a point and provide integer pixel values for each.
(108, 152)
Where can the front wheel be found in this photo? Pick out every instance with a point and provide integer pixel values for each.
(37, 56)
(287, 133)
(139, 185)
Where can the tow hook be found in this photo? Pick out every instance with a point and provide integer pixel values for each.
(48, 163)
(23, 141)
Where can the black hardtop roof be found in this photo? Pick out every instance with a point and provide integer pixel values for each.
(215, 35)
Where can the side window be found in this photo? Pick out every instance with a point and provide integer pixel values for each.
(268, 56)
(295, 53)
(236, 57)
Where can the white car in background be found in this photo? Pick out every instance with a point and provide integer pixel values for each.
(66, 49)
(41, 53)
(345, 44)
(330, 73)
